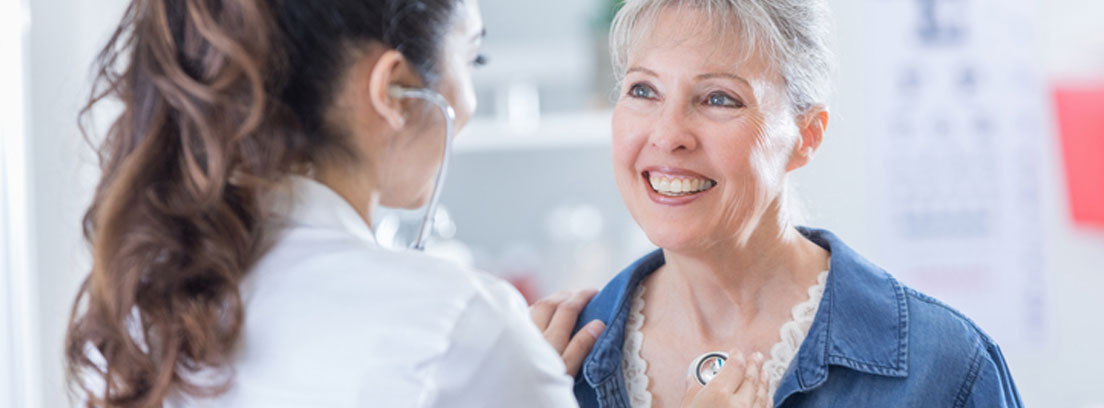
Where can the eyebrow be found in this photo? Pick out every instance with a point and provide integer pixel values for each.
(723, 75)
(701, 77)
(644, 71)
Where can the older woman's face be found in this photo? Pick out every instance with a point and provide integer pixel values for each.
(701, 134)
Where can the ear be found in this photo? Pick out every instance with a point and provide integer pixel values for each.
(812, 126)
(390, 69)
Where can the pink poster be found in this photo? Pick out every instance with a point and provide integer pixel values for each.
(1080, 114)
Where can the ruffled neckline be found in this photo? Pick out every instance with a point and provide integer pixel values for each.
(791, 334)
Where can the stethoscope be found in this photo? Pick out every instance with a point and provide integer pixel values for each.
(707, 366)
(436, 99)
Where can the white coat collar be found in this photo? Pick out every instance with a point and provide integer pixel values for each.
(306, 202)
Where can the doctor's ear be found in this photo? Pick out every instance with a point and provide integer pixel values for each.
(389, 71)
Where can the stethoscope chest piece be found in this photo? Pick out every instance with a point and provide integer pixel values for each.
(706, 366)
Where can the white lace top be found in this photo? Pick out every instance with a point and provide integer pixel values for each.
(635, 368)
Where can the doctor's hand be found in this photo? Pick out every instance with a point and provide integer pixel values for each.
(556, 315)
(741, 383)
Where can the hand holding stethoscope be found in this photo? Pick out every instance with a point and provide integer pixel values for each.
(715, 379)
(729, 379)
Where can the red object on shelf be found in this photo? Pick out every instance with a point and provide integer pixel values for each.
(1080, 113)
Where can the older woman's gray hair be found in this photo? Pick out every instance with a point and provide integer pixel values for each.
(793, 35)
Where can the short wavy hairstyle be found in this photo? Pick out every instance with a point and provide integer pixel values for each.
(794, 36)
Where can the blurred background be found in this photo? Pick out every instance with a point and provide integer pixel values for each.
(965, 154)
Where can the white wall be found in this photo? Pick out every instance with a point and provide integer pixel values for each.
(19, 370)
(1063, 374)
(65, 35)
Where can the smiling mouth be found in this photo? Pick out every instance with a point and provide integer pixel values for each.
(677, 186)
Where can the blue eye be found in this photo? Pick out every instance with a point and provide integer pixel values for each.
(480, 60)
(642, 91)
(722, 100)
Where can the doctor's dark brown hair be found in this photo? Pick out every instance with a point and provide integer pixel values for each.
(221, 100)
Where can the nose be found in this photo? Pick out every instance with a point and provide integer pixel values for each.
(672, 133)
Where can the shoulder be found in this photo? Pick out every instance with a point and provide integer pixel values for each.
(338, 314)
(603, 305)
(316, 265)
(879, 326)
(946, 341)
(496, 355)
(322, 272)
(368, 295)
(920, 323)
(940, 326)
(606, 305)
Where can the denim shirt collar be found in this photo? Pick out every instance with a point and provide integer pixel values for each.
(605, 358)
(861, 323)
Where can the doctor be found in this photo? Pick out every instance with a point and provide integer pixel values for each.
(234, 263)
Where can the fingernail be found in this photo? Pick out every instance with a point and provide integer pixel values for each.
(758, 357)
(595, 329)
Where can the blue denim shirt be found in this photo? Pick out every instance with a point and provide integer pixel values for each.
(873, 343)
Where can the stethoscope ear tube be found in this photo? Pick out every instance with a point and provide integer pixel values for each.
(450, 117)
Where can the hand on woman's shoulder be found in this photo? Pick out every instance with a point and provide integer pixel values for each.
(497, 357)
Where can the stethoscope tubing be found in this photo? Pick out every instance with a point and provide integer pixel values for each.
(425, 230)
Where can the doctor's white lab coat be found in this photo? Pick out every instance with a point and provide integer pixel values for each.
(334, 320)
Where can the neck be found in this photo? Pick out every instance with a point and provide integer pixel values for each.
(740, 283)
(362, 192)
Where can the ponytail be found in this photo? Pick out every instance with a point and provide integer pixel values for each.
(222, 99)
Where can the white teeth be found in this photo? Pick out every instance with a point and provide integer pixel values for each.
(678, 186)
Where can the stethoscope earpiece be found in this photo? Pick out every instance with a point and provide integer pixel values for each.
(399, 91)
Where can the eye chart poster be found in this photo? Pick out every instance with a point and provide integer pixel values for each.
(959, 117)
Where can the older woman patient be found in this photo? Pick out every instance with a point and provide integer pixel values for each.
(720, 101)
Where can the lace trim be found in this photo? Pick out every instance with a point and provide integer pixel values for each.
(792, 334)
(633, 365)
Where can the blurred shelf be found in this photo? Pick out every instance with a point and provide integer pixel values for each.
(553, 131)
(557, 62)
